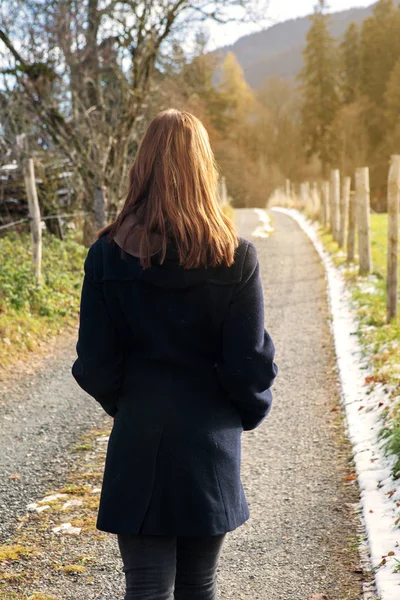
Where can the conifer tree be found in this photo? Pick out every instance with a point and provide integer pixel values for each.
(320, 87)
(393, 96)
(380, 49)
(350, 64)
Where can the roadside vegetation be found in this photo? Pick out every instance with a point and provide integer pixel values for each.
(29, 313)
(380, 340)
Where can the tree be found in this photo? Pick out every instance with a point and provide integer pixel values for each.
(320, 86)
(277, 128)
(89, 78)
(380, 49)
(392, 98)
(236, 94)
(350, 64)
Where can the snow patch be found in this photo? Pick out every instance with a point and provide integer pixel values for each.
(67, 529)
(363, 408)
(265, 228)
(71, 503)
(53, 497)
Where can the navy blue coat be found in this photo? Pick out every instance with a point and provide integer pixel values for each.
(181, 360)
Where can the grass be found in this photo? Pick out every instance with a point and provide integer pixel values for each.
(380, 340)
(30, 313)
(13, 552)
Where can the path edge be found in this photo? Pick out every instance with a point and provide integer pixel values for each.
(363, 423)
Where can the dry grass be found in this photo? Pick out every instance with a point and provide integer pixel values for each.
(42, 559)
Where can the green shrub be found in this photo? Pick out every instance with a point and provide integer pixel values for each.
(28, 311)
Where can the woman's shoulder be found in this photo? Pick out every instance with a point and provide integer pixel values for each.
(245, 261)
(99, 253)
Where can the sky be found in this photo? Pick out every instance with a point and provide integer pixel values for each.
(277, 11)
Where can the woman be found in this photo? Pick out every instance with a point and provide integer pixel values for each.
(172, 345)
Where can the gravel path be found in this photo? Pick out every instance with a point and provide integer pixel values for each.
(297, 542)
(41, 416)
(300, 540)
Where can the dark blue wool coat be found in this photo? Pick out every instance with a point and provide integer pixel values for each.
(181, 360)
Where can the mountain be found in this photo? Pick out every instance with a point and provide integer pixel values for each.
(278, 50)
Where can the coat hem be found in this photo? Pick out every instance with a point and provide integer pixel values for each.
(172, 532)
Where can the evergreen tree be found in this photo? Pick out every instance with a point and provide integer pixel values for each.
(320, 86)
(350, 64)
(380, 49)
(392, 97)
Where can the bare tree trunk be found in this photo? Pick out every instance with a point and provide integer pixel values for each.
(363, 220)
(393, 237)
(34, 213)
(351, 233)
(100, 208)
(88, 232)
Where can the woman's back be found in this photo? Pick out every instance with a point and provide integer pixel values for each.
(172, 345)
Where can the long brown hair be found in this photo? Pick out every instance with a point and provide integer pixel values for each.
(173, 193)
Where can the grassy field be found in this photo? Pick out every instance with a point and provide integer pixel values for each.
(29, 313)
(380, 340)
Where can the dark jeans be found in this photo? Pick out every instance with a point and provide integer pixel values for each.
(167, 568)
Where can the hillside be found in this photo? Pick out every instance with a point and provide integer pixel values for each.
(278, 49)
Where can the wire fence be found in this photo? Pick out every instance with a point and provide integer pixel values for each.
(45, 218)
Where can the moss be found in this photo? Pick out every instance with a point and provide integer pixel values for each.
(73, 569)
(13, 552)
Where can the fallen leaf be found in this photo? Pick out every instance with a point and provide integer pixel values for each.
(361, 407)
(14, 476)
(334, 408)
(391, 553)
(350, 477)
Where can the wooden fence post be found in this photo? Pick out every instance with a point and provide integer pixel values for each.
(302, 194)
(351, 232)
(335, 203)
(393, 237)
(363, 220)
(34, 213)
(288, 191)
(315, 200)
(325, 203)
(344, 207)
(223, 195)
(100, 207)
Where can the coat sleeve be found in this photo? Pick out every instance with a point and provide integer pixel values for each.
(99, 366)
(247, 369)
